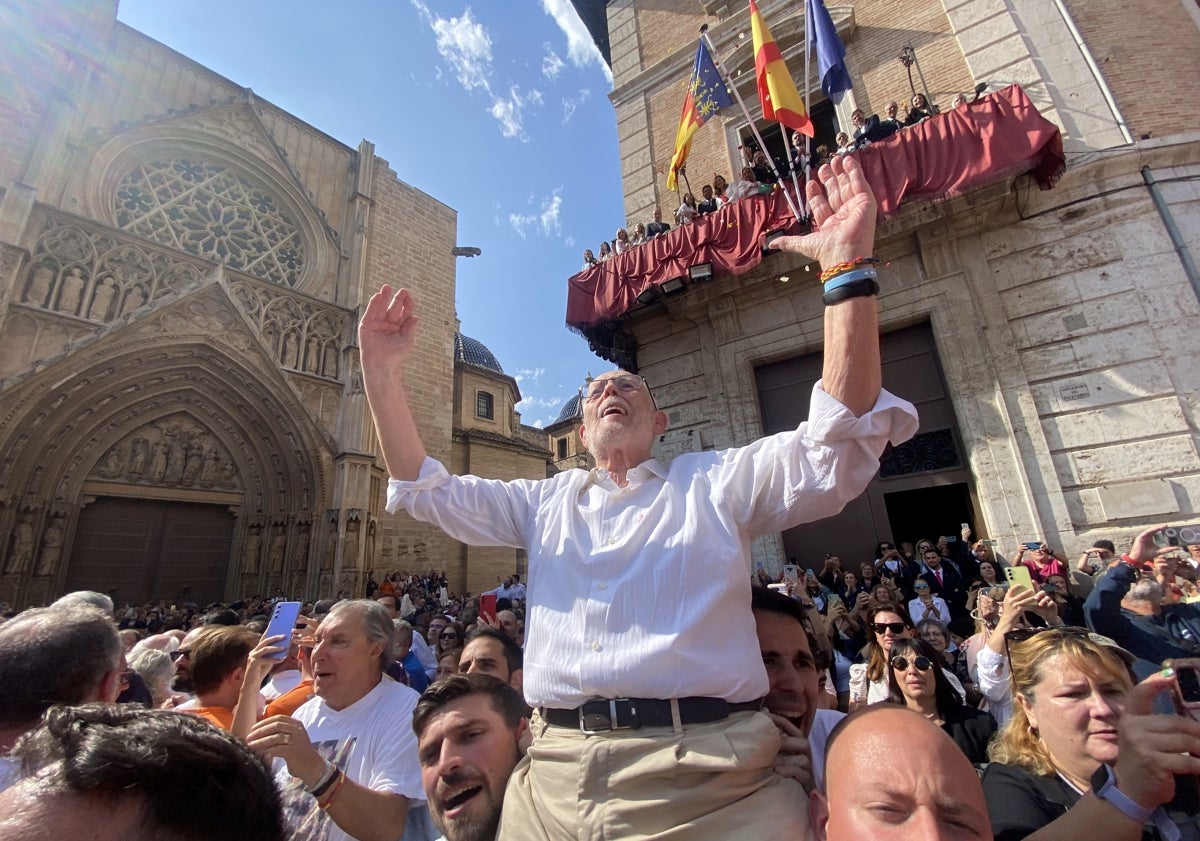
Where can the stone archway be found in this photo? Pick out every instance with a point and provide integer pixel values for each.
(172, 419)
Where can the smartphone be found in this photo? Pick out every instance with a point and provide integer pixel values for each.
(283, 620)
(1018, 576)
(1051, 589)
(1181, 535)
(963, 526)
(833, 599)
(1189, 683)
(1033, 545)
(951, 539)
(791, 573)
(487, 606)
(778, 588)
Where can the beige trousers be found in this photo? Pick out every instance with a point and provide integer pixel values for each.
(704, 782)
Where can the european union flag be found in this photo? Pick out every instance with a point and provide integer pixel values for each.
(831, 52)
(706, 96)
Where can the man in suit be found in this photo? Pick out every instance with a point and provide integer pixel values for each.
(944, 581)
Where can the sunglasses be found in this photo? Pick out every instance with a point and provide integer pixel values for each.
(1020, 635)
(179, 652)
(920, 586)
(900, 663)
(894, 627)
(450, 635)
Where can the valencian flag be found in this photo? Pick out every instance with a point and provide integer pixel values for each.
(831, 52)
(706, 96)
(777, 92)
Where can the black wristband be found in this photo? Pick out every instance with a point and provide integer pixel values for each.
(855, 289)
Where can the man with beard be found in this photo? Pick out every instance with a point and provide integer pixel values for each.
(469, 730)
(182, 684)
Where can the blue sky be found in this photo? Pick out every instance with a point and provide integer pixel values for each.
(498, 109)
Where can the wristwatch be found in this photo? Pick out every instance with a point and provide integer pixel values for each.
(1104, 784)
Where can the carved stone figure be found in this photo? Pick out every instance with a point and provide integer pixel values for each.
(312, 356)
(208, 466)
(158, 465)
(250, 556)
(300, 552)
(193, 451)
(52, 543)
(102, 300)
(22, 547)
(138, 455)
(276, 556)
(110, 468)
(331, 546)
(72, 292)
(291, 351)
(350, 553)
(135, 299)
(39, 286)
(331, 362)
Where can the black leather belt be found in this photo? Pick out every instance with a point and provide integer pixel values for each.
(604, 714)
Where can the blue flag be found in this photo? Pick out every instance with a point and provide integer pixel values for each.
(831, 52)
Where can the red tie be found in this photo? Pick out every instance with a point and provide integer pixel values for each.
(938, 573)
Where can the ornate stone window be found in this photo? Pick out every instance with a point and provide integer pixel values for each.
(214, 212)
(924, 453)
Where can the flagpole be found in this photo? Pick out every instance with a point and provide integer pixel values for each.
(807, 93)
(762, 144)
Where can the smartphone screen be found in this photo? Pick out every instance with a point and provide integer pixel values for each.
(1032, 545)
(1189, 683)
(1018, 576)
(283, 620)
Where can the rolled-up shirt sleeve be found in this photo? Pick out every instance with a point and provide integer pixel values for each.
(993, 675)
(811, 472)
(481, 512)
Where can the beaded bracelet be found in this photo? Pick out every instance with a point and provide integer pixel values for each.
(855, 289)
(846, 266)
(845, 278)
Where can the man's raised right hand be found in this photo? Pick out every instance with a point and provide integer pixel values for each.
(387, 332)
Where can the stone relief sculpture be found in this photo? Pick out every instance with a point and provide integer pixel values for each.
(52, 545)
(291, 351)
(72, 292)
(38, 291)
(275, 558)
(350, 552)
(250, 556)
(102, 299)
(22, 546)
(175, 451)
(300, 552)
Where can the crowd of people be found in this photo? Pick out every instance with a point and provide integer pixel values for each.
(644, 683)
(760, 174)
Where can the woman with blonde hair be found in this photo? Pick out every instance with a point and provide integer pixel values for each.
(1084, 755)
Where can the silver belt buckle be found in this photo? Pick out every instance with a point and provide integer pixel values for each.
(612, 718)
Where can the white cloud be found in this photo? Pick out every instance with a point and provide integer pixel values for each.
(547, 222)
(509, 111)
(464, 44)
(580, 48)
(571, 103)
(552, 65)
(569, 242)
(531, 375)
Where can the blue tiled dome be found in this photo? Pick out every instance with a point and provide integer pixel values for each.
(572, 409)
(474, 352)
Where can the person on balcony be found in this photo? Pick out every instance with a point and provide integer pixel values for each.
(747, 186)
(687, 210)
(920, 110)
(658, 227)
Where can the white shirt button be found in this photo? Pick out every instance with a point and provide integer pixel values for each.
(596, 646)
(611, 541)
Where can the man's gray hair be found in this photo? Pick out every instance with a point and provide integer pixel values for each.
(81, 597)
(54, 655)
(404, 632)
(377, 624)
(1146, 590)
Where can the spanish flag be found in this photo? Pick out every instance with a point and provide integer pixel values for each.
(781, 101)
(706, 96)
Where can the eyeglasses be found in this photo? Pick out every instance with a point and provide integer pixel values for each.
(624, 384)
(920, 586)
(450, 635)
(894, 627)
(179, 652)
(900, 663)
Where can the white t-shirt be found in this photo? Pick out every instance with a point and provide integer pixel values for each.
(281, 683)
(373, 743)
(823, 723)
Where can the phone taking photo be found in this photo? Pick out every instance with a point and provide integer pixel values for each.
(1018, 576)
(283, 620)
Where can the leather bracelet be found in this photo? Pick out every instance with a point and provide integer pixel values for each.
(856, 289)
(326, 780)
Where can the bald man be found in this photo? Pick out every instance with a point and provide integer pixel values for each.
(926, 792)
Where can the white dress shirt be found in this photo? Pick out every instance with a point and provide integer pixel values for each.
(939, 610)
(644, 591)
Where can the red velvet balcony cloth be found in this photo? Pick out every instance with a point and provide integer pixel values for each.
(998, 136)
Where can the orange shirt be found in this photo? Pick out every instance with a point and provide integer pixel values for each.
(289, 702)
(219, 716)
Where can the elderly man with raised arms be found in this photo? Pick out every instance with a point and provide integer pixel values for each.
(641, 655)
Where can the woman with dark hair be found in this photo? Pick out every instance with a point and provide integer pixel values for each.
(920, 110)
(450, 638)
(917, 683)
(884, 626)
